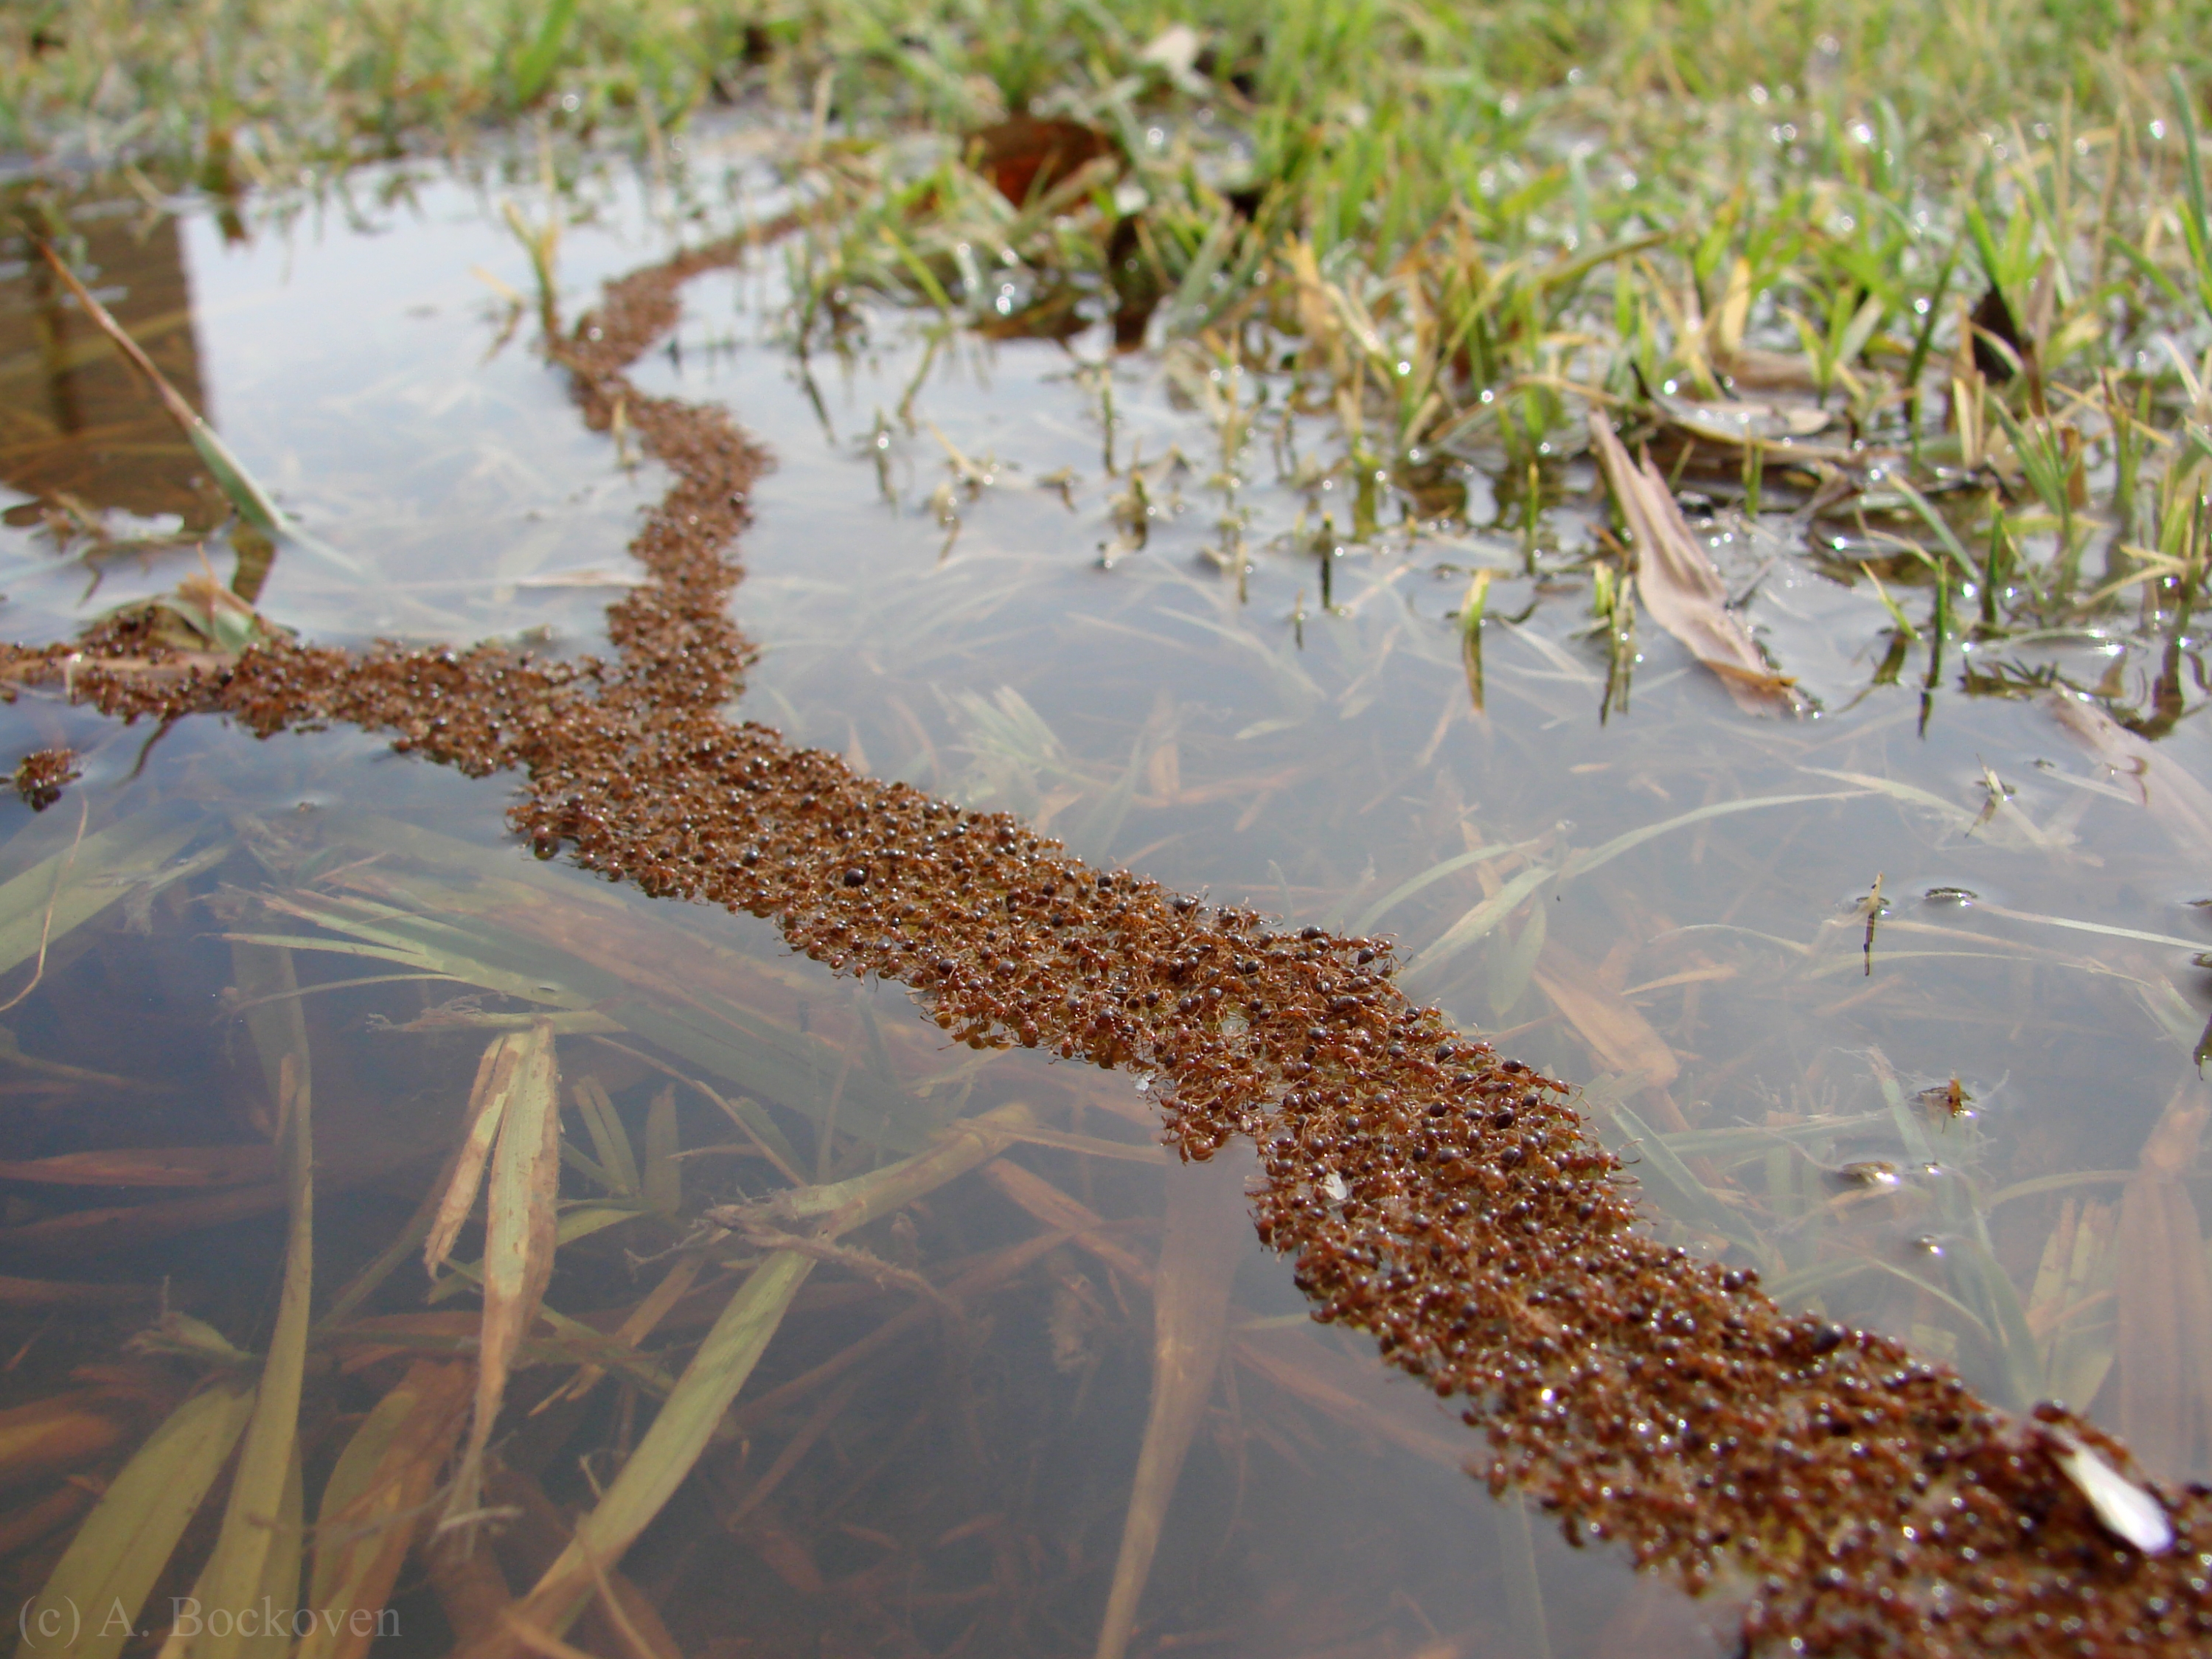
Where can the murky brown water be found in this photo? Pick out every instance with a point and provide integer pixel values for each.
(958, 583)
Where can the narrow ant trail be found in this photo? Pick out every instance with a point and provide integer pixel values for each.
(1445, 1200)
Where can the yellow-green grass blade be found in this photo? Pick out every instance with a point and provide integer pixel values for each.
(90, 1605)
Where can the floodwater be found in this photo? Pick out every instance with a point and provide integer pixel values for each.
(1027, 575)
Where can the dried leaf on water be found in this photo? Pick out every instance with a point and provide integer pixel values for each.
(1026, 156)
(1676, 580)
(1742, 422)
(201, 616)
(121, 1549)
(1190, 1310)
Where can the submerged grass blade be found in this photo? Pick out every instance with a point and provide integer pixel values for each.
(672, 1445)
(663, 1177)
(1406, 890)
(1581, 864)
(488, 1097)
(680, 1433)
(534, 65)
(518, 1236)
(1476, 923)
(265, 979)
(124, 1544)
(1671, 1181)
(2165, 1342)
(60, 893)
(1524, 1589)
(372, 1505)
(609, 1141)
(1623, 1040)
(254, 1547)
(1190, 1310)
(279, 1597)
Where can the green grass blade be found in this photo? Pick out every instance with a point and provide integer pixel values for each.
(372, 1505)
(1406, 890)
(119, 1552)
(74, 885)
(1477, 921)
(1582, 864)
(1984, 1283)
(537, 61)
(254, 1547)
(1934, 520)
(519, 1235)
(1666, 1173)
(2184, 109)
(673, 1444)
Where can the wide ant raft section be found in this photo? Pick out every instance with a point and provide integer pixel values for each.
(1444, 1199)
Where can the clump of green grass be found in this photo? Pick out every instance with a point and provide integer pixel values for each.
(1937, 283)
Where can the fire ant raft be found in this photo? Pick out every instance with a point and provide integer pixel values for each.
(1445, 1200)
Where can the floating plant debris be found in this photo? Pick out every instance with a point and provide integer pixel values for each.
(1445, 1200)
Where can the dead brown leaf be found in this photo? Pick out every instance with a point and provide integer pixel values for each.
(154, 1166)
(54, 1433)
(2179, 803)
(1676, 580)
(1621, 1038)
(1026, 156)
(518, 1230)
(372, 1508)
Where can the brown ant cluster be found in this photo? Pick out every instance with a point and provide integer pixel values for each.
(1447, 1200)
(40, 777)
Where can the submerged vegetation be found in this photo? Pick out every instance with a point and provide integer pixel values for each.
(1924, 303)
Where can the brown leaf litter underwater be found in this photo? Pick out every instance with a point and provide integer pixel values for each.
(1446, 1200)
